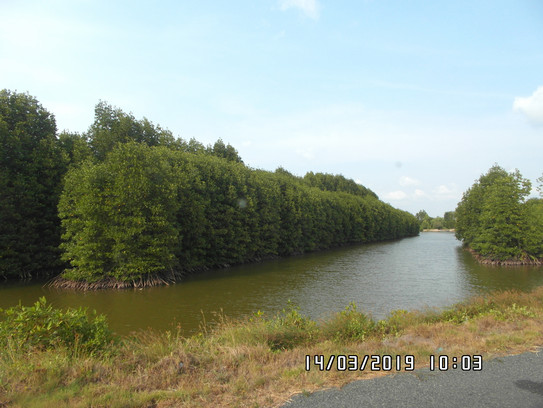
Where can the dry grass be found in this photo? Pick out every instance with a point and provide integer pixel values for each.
(260, 362)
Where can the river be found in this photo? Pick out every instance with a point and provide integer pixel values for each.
(430, 270)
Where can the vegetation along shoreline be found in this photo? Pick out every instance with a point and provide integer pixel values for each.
(70, 358)
(497, 224)
(128, 205)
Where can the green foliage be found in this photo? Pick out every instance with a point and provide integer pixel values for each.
(75, 147)
(533, 237)
(349, 325)
(421, 216)
(112, 126)
(43, 327)
(289, 329)
(119, 216)
(137, 204)
(31, 167)
(494, 220)
(448, 221)
(332, 182)
(146, 211)
(227, 152)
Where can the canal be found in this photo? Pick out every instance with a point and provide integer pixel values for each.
(430, 270)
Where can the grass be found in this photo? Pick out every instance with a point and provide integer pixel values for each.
(259, 361)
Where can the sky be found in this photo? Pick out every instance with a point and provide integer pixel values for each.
(413, 99)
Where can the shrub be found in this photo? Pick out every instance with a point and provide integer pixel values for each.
(43, 327)
(289, 329)
(349, 324)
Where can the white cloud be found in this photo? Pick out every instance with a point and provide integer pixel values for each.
(420, 193)
(306, 153)
(443, 192)
(408, 181)
(309, 7)
(531, 106)
(396, 195)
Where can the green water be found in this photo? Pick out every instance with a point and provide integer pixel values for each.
(413, 273)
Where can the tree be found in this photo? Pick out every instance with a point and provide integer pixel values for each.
(449, 220)
(333, 182)
(421, 216)
(227, 152)
(437, 223)
(112, 126)
(120, 216)
(31, 167)
(75, 147)
(492, 217)
(534, 234)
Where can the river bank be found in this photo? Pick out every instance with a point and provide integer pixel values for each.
(490, 260)
(261, 361)
(412, 273)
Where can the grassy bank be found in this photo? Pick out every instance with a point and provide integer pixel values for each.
(256, 362)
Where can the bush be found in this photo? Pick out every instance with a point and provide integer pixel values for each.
(350, 324)
(42, 327)
(289, 329)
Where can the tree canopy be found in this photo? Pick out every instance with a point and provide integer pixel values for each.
(495, 220)
(31, 167)
(126, 203)
(147, 213)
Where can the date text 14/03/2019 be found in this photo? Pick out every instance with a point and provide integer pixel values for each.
(342, 362)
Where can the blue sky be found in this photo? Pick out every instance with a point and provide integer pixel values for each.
(413, 99)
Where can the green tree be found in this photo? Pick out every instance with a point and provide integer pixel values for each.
(227, 152)
(112, 126)
(449, 220)
(421, 216)
(119, 216)
(534, 233)
(31, 167)
(333, 182)
(76, 147)
(437, 223)
(492, 217)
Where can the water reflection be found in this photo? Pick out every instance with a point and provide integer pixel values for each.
(487, 278)
(426, 271)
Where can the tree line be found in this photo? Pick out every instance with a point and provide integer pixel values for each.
(497, 221)
(126, 203)
(448, 221)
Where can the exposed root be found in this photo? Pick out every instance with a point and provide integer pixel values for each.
(504, 262)
(111, 283)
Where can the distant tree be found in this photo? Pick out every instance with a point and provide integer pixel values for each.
(31, 167)
(426, 224)
(449, 220)
(425, 221)
(421, 215)
(437, 223)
